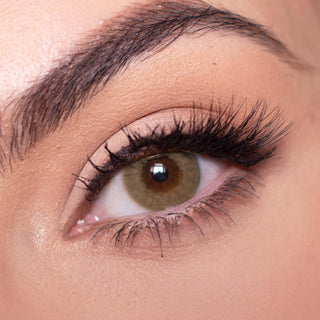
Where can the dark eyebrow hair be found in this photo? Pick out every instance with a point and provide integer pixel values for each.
(143, 29)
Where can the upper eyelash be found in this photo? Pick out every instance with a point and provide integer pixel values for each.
(215, 134)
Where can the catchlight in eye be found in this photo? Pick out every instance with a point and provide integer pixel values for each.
(162, 181)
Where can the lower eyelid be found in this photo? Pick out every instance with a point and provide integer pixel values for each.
(212, 175)
(210, 170)
(207, 217)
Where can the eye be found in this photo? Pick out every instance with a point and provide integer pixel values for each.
(156, 185)
(172, 170)
(162, 181)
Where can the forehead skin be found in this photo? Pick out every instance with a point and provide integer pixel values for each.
(41, 32)
(267, 269)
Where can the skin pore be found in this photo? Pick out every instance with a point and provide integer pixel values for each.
(265, 267)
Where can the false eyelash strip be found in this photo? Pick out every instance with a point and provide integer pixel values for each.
(210, 208)
(217, 133)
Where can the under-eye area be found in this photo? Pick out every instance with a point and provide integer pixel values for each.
(205, 217)
(174, 176)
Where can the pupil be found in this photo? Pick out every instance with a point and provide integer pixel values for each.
(159, 172)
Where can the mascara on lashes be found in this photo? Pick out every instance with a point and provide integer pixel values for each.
(216, 134)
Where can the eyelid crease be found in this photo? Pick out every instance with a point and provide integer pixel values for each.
(141, 29)
(216, 133)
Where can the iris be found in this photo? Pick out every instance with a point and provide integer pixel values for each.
(162, 181)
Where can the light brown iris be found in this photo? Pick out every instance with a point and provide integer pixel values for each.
(162, 181)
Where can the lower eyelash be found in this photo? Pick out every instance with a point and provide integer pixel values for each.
(211, 208)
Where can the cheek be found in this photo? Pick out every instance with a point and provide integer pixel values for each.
(256, 269)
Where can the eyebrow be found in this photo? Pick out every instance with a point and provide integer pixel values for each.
(142, 29)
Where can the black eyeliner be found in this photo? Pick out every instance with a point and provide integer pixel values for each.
(217, 134)
(221, 132)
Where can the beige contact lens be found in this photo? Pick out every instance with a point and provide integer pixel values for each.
(162, 181)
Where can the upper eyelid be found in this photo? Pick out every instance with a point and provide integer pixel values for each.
(255, 136)
(52, 99)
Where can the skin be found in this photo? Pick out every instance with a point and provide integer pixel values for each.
(266, 267)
